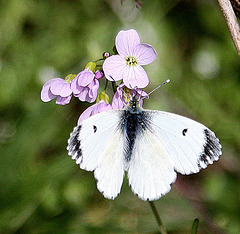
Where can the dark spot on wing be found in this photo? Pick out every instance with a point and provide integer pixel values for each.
(184, 131)
(74, 144)
(211, 149)
(94, 128)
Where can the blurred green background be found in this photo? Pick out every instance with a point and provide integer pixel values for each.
(41, 189)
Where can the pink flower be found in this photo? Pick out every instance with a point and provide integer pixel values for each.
(58, 88)
(86, 76)
(127, 64)
(85, 85)
(94, 109)
(120, 99)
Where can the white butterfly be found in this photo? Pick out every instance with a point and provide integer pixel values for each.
(150, 145)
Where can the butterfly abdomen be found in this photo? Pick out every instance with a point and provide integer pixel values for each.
(133, 123)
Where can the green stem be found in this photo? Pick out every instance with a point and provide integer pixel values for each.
(106, 84)
(158, 219)
(114, 86)
(98, 60)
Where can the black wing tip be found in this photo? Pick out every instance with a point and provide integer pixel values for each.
(212, 149)
(74, 145)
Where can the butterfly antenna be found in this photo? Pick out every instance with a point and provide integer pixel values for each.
(165, 82)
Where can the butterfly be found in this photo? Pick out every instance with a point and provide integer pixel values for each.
(151, 146)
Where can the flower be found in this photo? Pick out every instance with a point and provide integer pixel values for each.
(94, 109)
(127, 64)
(123, 96)
(58, 88)
(86, 84)
(86, 76)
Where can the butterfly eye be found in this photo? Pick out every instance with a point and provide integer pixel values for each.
(94, 128)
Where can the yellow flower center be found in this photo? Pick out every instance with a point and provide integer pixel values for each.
(131, 61)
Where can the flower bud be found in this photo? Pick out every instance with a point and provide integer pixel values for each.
(106, 55)
(98, 74)
(69, 78)
(103, 96)
(91, 66)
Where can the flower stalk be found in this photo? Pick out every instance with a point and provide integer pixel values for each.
(157, 216)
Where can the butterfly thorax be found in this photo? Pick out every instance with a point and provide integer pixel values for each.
(134, 121)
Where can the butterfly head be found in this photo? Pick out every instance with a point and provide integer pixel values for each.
(133, 104)
(137, 96)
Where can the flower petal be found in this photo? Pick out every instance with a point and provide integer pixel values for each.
(87, 113)
(126, 41)
(93, 88)
(53, 81)
(140, 93)
(113, 67)
(63, 100)
(145, 54)
(76, 89)
(100, 107)
(117, 103)
(83, 94)
(135, 77)
(46, 94)
(118, 98)
(61, 88)
(94, 109)
(85, 77)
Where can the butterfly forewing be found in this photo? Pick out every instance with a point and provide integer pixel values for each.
(191, 145)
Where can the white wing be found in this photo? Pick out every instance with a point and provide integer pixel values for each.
(170, 143)
(97, 145)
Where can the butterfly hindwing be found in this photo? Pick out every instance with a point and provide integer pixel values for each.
(151, 172)
(97, 145)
